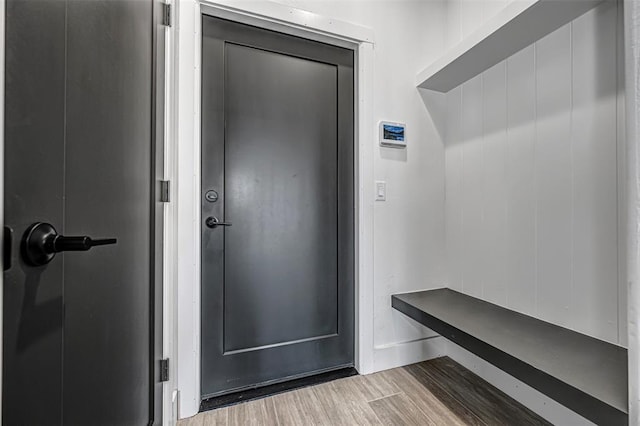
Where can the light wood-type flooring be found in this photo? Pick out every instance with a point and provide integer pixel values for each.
(435, 392)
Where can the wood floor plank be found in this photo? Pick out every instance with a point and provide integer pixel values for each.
(497, 397)
(255, 413)
(436, 392)
(299, 407)
(399, 410)
(423, 398)
(451, 406)
(218, 417)
(344, 404)
(192, 421)
(490, 404)
(375, 386)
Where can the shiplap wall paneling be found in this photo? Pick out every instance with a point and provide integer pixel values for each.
(622, 179)
(494, 184)
(473, 245)
(531, 180)
(520, 225)
(454, 159)
(553, 165)
(471, 17)
(594, 301)
(453, 20)
(466, 16)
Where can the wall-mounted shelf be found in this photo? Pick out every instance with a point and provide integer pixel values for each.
(518, 25)
(587, 375)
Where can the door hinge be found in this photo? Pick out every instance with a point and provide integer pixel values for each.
(164, 370)
(165, 191)
(166, 14)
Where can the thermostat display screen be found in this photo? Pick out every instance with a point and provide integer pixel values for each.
(392, 133)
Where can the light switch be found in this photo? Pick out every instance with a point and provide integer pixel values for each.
(381, 190)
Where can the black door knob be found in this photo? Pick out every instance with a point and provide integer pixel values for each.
(41, 242)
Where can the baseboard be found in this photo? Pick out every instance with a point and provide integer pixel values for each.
(405, 353)
(526, 395)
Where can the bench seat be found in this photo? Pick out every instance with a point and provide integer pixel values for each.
(586, 375)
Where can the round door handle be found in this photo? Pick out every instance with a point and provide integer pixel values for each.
(213, 222)
(41, 242)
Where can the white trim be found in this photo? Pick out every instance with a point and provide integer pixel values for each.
(170, 254)
(186, 237)
(182, 235)
(278, 17)
(392, 355)
(2, 59)
(365, 134)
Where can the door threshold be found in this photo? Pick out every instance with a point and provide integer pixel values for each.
(234, 398)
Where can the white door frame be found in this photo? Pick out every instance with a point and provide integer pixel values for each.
(182, 162)
(2, 60)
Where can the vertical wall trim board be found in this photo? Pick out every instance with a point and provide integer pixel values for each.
(462, 215)
(573, 172)
(632, 80)
(617, 139)
(535, 176)
(507, 156)
(621, 177)
(505, 168)
(482, 275)
(618, 165)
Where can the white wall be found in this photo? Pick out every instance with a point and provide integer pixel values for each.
(463, 17)
(532, 194)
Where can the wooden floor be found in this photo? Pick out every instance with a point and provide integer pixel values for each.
(436, 392)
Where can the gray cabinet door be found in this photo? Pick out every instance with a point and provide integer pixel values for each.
(277, 167)
(80, 332)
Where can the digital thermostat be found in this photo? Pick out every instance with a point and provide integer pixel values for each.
(393, 134)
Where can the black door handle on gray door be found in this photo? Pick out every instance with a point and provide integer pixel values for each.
(41, 242)
(213, 222)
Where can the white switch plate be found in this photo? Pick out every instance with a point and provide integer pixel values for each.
(381, 190)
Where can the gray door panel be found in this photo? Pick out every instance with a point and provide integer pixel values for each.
(108, 193)
(34, 153)
(81, 333)
(277, 146)
(280, 186)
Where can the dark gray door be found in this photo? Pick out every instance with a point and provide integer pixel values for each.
(80, 335)
(277, 163)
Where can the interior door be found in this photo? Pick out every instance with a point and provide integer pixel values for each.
(80, 314)
(277, 207)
